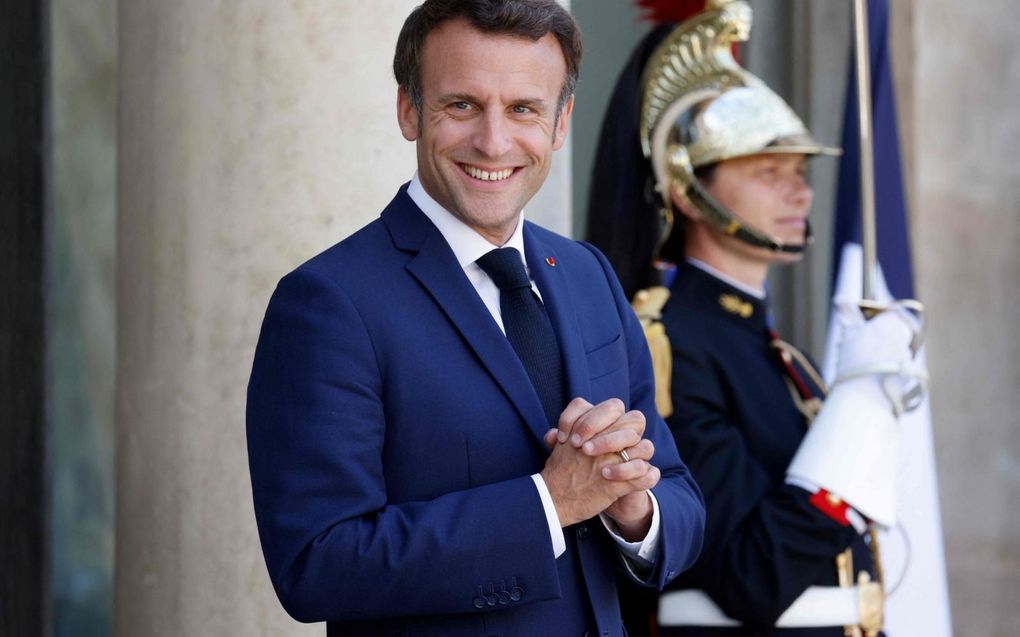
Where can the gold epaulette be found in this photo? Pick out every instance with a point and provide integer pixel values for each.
(648, 305)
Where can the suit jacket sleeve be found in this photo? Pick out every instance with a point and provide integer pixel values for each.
(681, 506)
(335, 547)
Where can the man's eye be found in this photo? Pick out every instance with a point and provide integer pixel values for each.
(521, 110)
(461, 106)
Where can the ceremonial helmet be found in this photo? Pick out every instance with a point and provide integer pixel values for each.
(699, 106)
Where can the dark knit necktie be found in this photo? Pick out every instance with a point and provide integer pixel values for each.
(528, 328)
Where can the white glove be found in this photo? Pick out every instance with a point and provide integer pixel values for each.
(883, 348)
(851, 448)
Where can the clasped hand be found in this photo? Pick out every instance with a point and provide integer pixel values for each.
(586, 474)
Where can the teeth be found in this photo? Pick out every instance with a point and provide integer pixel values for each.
(485, 175)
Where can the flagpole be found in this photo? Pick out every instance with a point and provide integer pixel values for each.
(868, 241)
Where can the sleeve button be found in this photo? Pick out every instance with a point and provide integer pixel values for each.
(516, 592)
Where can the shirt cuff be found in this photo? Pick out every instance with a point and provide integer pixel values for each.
(559, 543)
(642, 553)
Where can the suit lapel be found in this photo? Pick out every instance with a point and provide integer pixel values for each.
(548, 272)
(437, 269)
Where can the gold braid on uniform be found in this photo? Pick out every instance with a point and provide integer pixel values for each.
(648, 305)
(808, 407)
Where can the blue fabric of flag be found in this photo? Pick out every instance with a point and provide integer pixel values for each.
(891, 213)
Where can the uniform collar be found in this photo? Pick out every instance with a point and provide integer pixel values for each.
(718, 297)
(743, 287)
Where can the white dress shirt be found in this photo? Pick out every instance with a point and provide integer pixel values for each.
(468, 246)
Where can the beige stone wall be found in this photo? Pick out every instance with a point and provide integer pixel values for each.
(251, 136)
(961, 134)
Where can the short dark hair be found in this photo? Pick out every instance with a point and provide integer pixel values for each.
(531, 19)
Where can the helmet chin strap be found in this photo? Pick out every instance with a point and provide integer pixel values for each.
(724, 219)
(719, 215)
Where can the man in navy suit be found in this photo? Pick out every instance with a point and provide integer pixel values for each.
(414, 472)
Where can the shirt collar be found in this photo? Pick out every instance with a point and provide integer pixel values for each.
(743, 287)
(467, 245)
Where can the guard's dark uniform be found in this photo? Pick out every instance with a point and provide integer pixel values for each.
(737, 427)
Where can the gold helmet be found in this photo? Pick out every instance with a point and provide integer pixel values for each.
(699, 107)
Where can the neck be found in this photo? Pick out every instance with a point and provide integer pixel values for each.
(749, 272)
(496, 236)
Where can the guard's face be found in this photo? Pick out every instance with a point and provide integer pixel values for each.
(488, 125)
(768, 192)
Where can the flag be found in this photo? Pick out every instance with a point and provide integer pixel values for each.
(912, 553)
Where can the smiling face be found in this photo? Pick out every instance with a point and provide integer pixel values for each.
(488, 124)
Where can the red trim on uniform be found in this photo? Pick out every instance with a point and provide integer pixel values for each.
(836, 510)
(791, 371)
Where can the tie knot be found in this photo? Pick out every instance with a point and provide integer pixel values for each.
(505, 267)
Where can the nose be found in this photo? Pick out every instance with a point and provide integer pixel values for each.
(492, 137)
(800, 192)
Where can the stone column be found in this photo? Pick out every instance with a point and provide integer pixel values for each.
(966, 85)
(252, 135)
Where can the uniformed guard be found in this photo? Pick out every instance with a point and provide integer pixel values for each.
(699, 187)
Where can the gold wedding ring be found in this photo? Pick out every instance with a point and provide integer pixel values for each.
(623, 454)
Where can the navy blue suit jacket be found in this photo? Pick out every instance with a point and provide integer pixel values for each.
(392, 433)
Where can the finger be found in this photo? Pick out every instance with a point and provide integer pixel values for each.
(595, 420)
(626, 471)
(636, 475)
(611, 442)
(648, 480)
(574, 410)
(643, 450)
(613, 467)
(550, 438)
(632, 420)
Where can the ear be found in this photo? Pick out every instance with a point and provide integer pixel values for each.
(682, 203)
(407, 116)
(563, 125)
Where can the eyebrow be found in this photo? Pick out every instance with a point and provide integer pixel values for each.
(537, 103)
(456, 97)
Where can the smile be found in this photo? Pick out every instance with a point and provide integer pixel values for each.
(487, 175)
